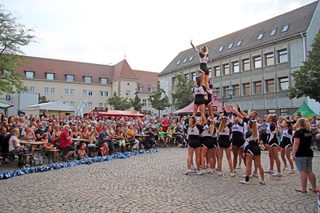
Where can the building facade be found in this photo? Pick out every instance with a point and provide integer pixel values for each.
(74, 83)
(253, 67)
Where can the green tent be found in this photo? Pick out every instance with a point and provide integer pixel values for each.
(305, 110)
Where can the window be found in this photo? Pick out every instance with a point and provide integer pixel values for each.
(100, 104)
(46, 90)
(101, 93)
(106, 93)
(216, 71)
(260, 36)
(246, 64)
(31, 89)
(194, 75)
(230, 45)
(66, 91)
(269, 59)
(221, 48)
(140, 88)
(273, 32)
(285, 28)
(226, 70)
(257, 62)
(257, 87)
(50, 76)
(284, 83)
(144, 102)
(185, 60)
(284, 112)
(178, 62)
(236, 90)
(89, 104)
(246, 89)
(103, 81)
(85, 92)
(239, 43)
(106, 105)
(128, 92)
(71, 103)
(282, 56)
(53, 90)
(186, 76)
(87, 79)
(235, 66)
(270, 85)
(216, 91)
(90, 92)
(190, 59)
(226, 91)
(72, 91)
(69, 77)
(29, 74)
(271, 111)
(150, 89)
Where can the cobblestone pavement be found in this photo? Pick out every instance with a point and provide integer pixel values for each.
(151, 183)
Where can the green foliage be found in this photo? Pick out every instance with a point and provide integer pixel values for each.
(136, 102)
(159, 100)
(13, 36)
(42, 99)
(182, 96)
(307, 78)
(119, 103)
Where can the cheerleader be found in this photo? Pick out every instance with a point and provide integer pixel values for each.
(207, 145)
(224, 144)
(253, 152)
(237, 138)
(273, 145)
(194, 144)
(204, 58)
(286, 145)
(199, 93)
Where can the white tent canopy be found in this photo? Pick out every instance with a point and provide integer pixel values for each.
(49, 107)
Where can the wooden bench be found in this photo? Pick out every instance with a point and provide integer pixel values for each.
(52, 153)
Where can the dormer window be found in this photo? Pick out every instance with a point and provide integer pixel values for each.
(221, 48)
(260, 36)
(273, 32)
(69, 77)
(230, 45)
(50, 76)
(103, 81)
(87, 79)
(239, 43)
(190, 59)
(178, 62)
(285, 28)
(29, 74)
(185, 60)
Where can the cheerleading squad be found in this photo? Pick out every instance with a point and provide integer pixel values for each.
(242, 135)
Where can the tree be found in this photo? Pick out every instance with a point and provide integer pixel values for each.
(307, 78)
(182, 95)
(119, 103)
(13, 36)
(159, 100)
(136, 102)
(42, 99)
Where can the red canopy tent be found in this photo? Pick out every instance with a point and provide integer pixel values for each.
(115, 113)
(189, 109)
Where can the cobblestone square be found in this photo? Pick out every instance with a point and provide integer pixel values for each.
(151, 183)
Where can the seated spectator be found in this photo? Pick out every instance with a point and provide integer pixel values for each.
(150, 137)
(179, 135)
(81, 152)
(131, 137)
(56, 135)
(15, 148)
(103, 139)
(39, 132)
(29, 135)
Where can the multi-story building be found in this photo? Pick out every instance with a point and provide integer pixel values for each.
(255, 64)
(74, 83)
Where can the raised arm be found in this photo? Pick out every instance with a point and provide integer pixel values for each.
(195, 48)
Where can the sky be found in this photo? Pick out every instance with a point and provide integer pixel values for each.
(148, 33)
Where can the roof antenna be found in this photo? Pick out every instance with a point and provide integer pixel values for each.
(125, 54)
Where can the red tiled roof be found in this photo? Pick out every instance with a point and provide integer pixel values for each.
(123, 70)
(147, 79)
(60, 68)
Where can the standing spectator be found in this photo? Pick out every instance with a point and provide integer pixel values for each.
(303, 155)
(65, 142)
(150, 137)
(314, 130)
